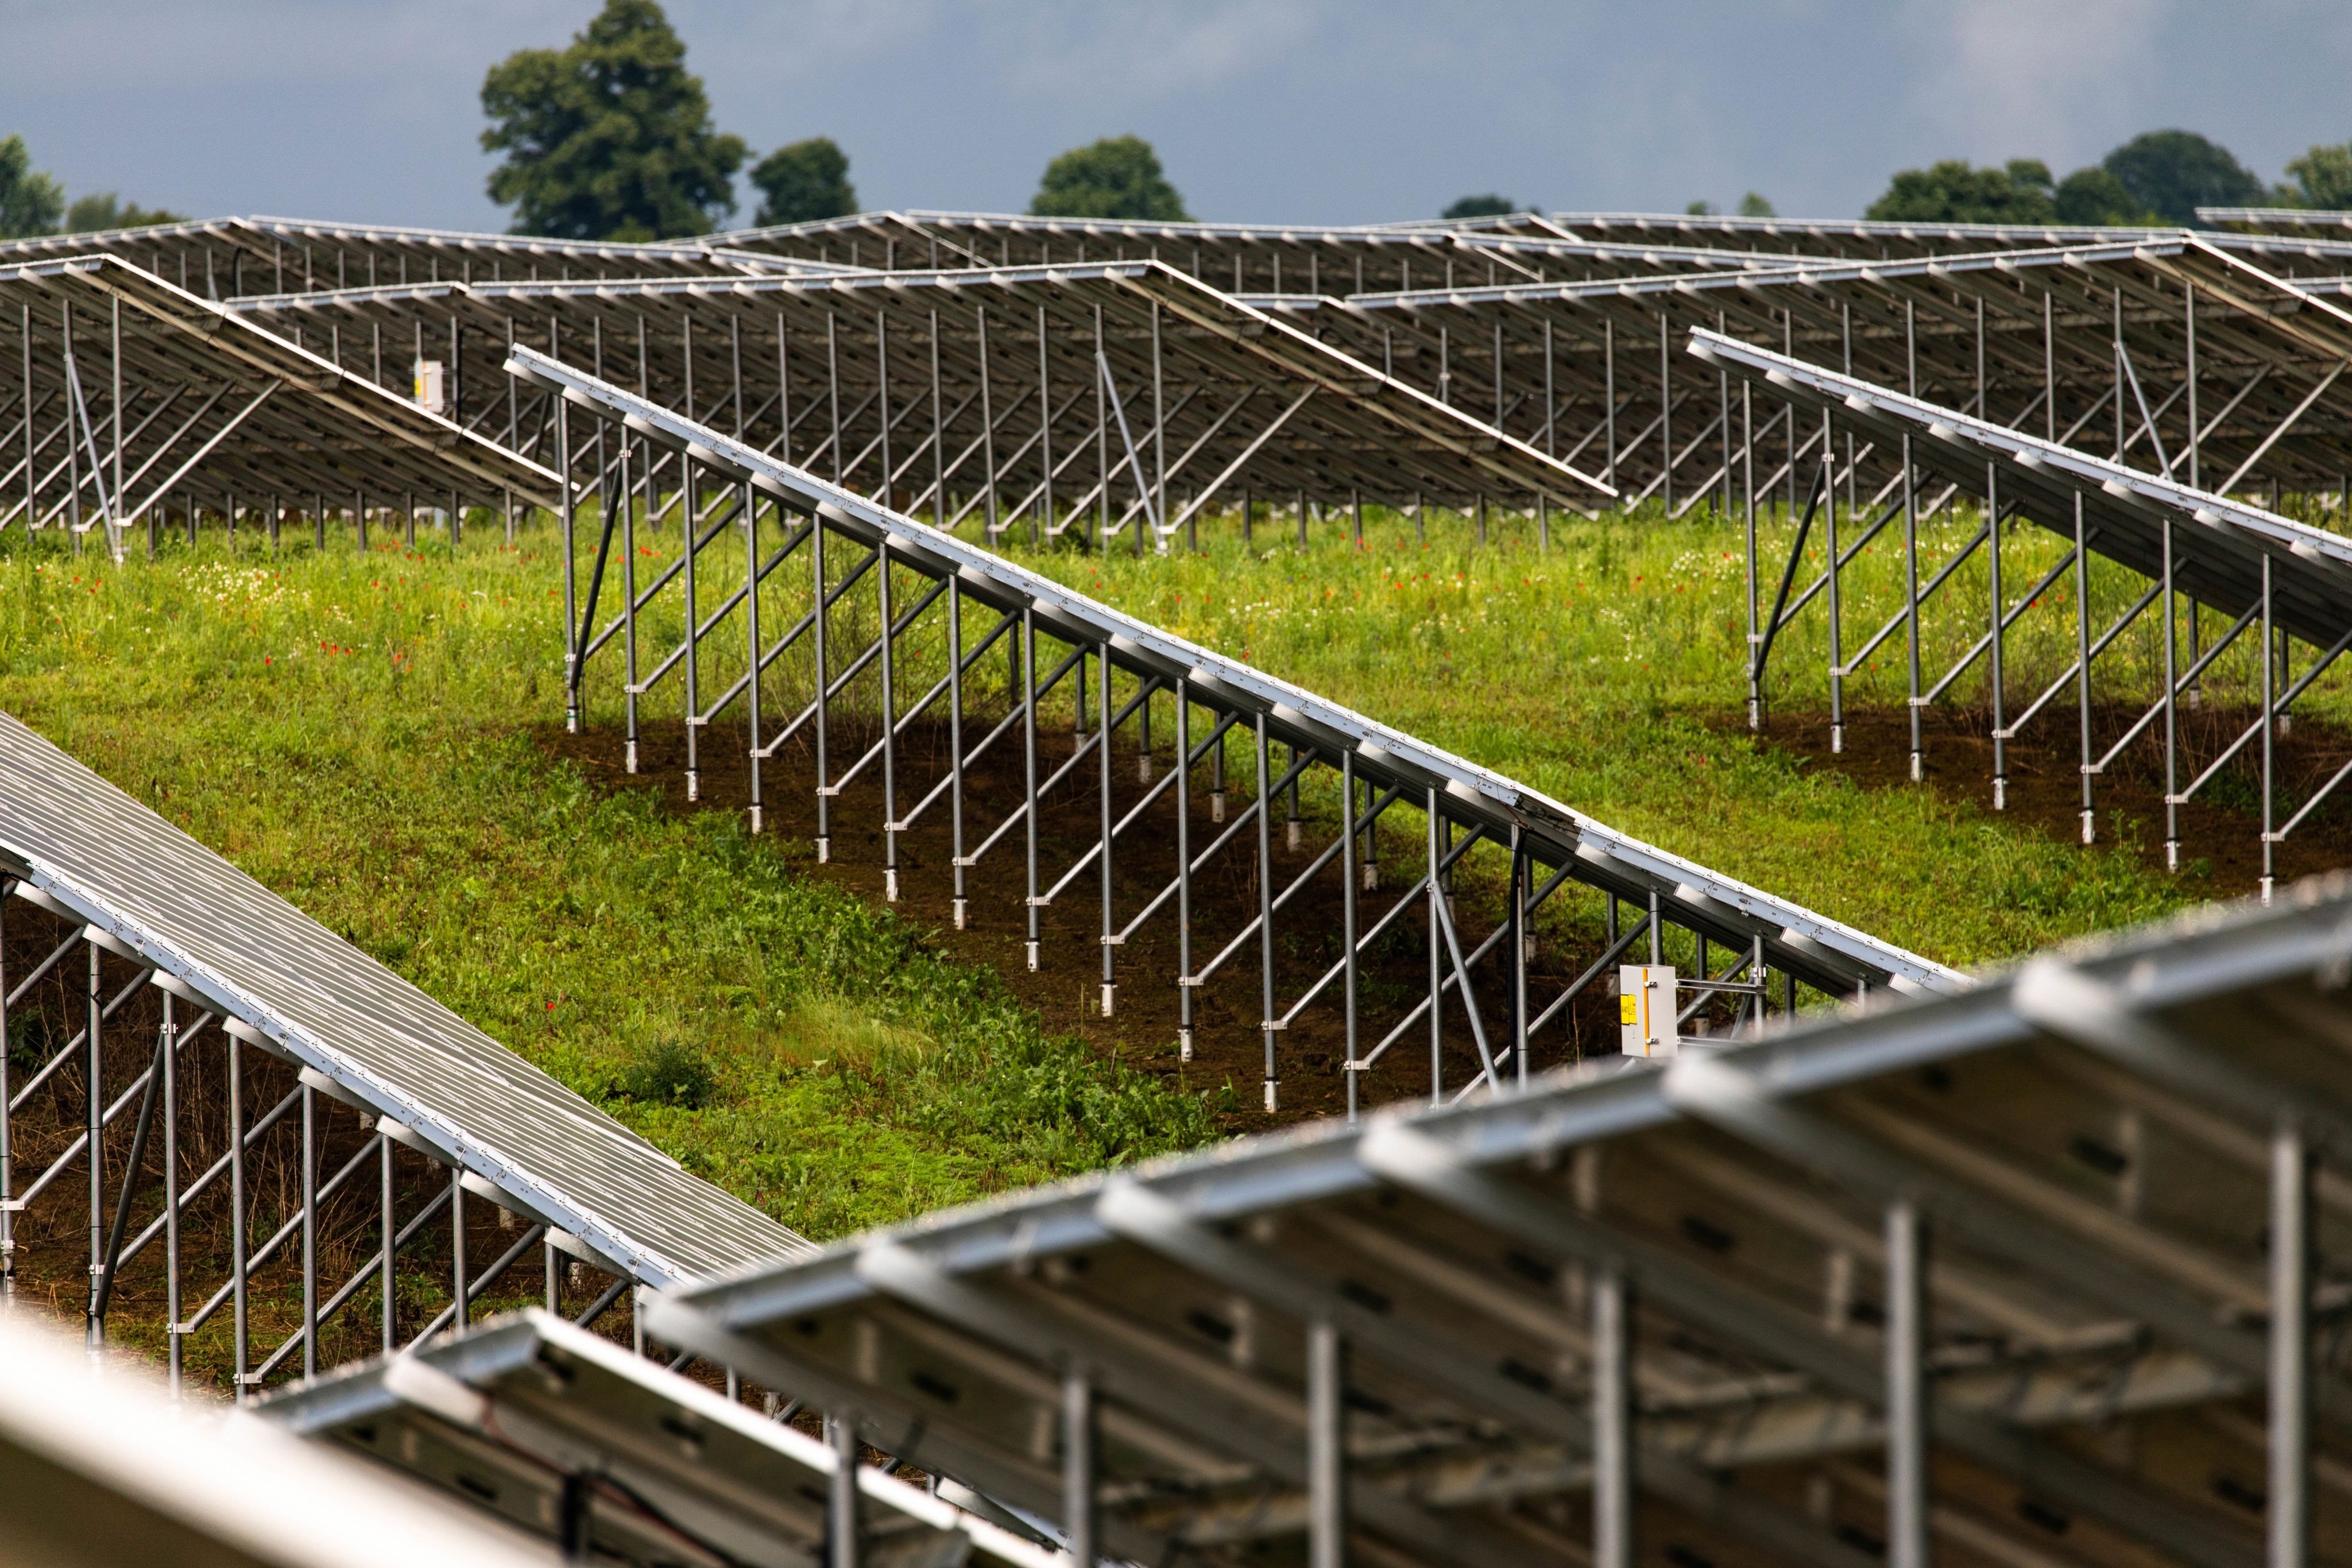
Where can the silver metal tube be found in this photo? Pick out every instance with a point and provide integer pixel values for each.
(94, 1102)
(1348, 877)
(1437, 892)
(629, 593)
(1999, 639)
(2270, 732)
(1612, 1421)
(171, 1180)
(1911, 609)
(955, 741)
(2290, 1349)
(1522, 938)
(1184, 870)
(1159, 431)
(1079, 1523)
(237, 1237)
(310, 1231)
(692, 547)
(1836, 619)
(1265, 914)
(841, 1510)
(1028, 699)
(752, 641)
(1103, 724)
(2171, 711)
(817, 611)
(458, 1250)
(2082, 663)
(987, 420)
(1906, 1389)
(889, 725)
(389, 1223)
(1326, 1447)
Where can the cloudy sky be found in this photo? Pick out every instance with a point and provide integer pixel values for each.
(1301, 110)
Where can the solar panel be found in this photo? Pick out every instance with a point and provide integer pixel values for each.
(99, 1471)
(316, 1000)
(1468, 1335)
(573, 1439)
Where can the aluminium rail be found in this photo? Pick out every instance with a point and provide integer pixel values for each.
(165, 966)
(570, 1438)
(2196, 350)
(220, 258)
(1040, 393)
(2270, 575)
(1998, 1276)
(1764, 933)
(101, 1470)
(122, 396)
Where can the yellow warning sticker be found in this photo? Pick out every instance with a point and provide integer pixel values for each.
(1629, 1008)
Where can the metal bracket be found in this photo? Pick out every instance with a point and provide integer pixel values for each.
(827, 791)
(967, 859)
(894, 827)
(1114, 941)
(1190, 980)
(1039, 901)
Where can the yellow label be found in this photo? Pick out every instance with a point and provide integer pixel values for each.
(1629, 1008)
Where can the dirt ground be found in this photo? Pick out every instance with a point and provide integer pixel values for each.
(1067, 988)
(2220, 829)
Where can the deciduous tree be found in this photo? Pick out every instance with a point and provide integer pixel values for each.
(1952, 192)
(804, 182)
(30, 202)
(1116, 177)
(2173, 172)
(610, 138)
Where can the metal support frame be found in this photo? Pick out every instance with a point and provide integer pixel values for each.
(897, 676)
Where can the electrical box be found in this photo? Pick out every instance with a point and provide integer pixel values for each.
(1645, 1009)
(430, 396)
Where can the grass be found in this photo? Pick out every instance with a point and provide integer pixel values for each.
(355, 729)
(1601, 671)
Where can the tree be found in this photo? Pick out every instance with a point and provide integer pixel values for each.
(1952, 192)
(804, 182)
(2322, 177)
(30, 202)
(1754, 205)
(1489, 205)
(611, 138)
(1116, 177)
(1702, 208)
(90, 214)
(2092, 196)
(2173, 172)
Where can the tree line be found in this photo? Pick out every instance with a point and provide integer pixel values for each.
(611, 138)
(2157, 179)
(33, 203)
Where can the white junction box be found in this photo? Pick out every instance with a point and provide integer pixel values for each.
(1645, 1009)
(429, 387)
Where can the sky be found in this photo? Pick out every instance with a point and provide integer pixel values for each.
(1309, 112)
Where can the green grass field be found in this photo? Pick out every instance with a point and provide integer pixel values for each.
(355, 730)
